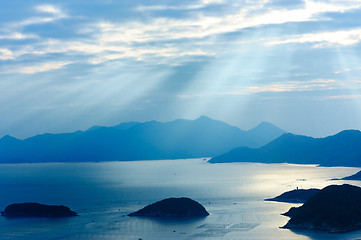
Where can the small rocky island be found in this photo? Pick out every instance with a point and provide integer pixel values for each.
(174, 208)
(336, 208)
(37, 210)
(295, 196)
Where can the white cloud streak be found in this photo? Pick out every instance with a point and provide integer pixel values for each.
(43, 67)
(284, 87)
(163, 29)
(198, 5)
(297, 86)
(54, 13)
(336, 97)
(17, 36)
(47, 8)
(106, 41)
(325, 39)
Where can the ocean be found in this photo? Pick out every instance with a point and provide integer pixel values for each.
(103, 193)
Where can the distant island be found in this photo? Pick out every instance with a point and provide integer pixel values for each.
(37, 210)
(179, 139)
(174, 208)
(295, 196)
(356, 176)
(335, 209)
(342, 149)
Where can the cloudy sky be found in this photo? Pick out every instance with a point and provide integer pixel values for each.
(71, 64)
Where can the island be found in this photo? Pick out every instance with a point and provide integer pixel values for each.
(37, 210)
(335, 209)
(174, 208)
(295, 196)
(356, 176)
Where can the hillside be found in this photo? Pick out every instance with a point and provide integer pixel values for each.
(342, 149)
(335, 208)
(203, 137)
(295, 196)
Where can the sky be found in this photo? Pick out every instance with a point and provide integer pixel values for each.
(72, 64)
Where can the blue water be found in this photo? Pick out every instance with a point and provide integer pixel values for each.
(104, 193)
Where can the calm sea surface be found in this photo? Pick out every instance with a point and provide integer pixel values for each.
(104, 193)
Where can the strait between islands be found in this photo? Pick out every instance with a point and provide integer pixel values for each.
(335, 209)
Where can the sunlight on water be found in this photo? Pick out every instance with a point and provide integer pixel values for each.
(104, 193)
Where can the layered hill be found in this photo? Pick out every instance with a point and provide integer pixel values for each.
(342, 149)
(203, 137)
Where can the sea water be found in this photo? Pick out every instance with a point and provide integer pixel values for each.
(103, 193)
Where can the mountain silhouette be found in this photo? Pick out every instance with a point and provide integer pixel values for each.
(342, 149)
(336, 208)
(356, 176)
(295, 196)
(202, 137)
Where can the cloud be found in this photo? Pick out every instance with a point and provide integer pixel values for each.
(201, 26)
(17, 36)
(47, 8)
(324, 39)
(281, 87)
(140, 54)
(164, 37)
(198, 5)
(296, 86)
(6, 54)
(54, 13)
(44, 67)
(351, 96)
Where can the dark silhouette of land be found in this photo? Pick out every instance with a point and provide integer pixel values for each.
(37, 210)
(342, 149)
(295, 196)
(174, 208)
(335, 208)
(203, 137)
(356, 176)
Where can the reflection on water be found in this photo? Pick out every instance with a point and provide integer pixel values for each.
(104, 193)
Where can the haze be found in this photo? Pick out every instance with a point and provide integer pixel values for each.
(71, 65)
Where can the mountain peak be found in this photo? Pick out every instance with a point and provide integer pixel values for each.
(8, 138)
(265, 129)
(266, 126)
(203, 118)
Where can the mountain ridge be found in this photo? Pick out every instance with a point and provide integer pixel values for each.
(341, 149)
(181, 138)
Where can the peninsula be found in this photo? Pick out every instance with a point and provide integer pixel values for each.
(335, 209)
(295, 196)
